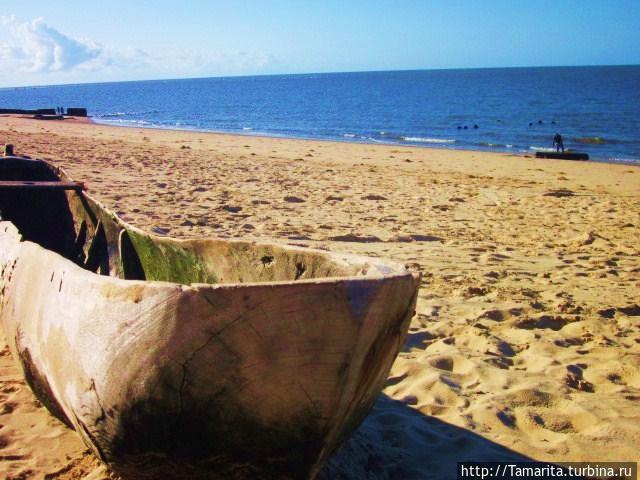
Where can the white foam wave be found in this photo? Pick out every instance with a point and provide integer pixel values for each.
(427, 140)
(125, 114)
(543, 149)
(633, 161)
(127, 122)
(348, 135)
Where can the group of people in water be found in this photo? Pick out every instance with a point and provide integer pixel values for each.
(558, 143)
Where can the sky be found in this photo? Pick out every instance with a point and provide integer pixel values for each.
(63, 41)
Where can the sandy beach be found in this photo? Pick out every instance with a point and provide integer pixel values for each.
(526, 341)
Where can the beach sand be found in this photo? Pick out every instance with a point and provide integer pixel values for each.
(526, 342)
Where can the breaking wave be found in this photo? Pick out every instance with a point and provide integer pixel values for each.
(427, 140)
(126, 114)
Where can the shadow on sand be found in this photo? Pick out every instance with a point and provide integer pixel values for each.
(396, 442)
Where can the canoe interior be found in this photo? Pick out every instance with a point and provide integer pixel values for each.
(80, 229)
(43, 217)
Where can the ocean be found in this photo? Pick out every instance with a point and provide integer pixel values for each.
(519, 110)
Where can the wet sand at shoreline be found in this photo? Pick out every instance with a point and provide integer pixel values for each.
(526, 342)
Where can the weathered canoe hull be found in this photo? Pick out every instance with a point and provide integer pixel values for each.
(162, 380)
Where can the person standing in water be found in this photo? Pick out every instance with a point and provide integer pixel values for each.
(557, 142)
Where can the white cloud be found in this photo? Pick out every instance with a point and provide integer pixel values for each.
(37, 47)
(44, 54)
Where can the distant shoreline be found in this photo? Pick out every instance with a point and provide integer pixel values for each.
(437, 146)
(442, 145)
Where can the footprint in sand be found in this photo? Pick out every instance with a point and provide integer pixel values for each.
(542, 322)
(374, 196)
(574, 378)
(231, 208)
(562, 192)
(569, 342)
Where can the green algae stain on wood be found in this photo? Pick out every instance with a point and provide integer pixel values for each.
(169, 263)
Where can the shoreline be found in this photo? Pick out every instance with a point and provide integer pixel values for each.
(298, 149)
(525, 343)
(91, 121)
(437, 144)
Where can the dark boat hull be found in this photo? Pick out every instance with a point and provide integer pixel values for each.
(563, 155)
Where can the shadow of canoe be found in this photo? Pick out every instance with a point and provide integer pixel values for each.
(397, 442)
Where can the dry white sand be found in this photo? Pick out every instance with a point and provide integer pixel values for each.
(526, 342)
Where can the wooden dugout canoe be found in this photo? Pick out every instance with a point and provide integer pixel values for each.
(191, 358)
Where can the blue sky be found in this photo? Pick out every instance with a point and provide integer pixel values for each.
(64, 41)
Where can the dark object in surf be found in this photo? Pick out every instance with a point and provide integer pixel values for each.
(563, 155)
(76, 112)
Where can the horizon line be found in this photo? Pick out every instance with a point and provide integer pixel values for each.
(205, 77)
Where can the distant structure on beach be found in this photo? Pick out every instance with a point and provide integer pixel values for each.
(71, 111)
(76, 112)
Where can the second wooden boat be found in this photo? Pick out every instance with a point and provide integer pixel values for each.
(563, 155)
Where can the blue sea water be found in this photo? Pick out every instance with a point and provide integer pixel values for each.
(595, 109)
